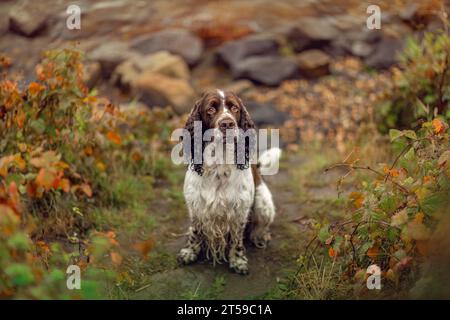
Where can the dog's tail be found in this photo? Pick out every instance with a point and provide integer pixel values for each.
(268, 161)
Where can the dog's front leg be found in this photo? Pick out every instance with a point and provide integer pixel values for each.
(237, 259)
(189, 254)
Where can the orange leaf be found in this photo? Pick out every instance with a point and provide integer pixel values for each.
(31, 189)
(332, 253)
(88, 151)
(373, 252)
(64, 184)
(116, 258)
(136, 156)
(357, 198)
(20, 162)
(43, 246)
(86, 189)
(114, 137)
(20, 118)
(45, 179)
(427, 179)
(439, 127)
(144, 247)
(35, 88)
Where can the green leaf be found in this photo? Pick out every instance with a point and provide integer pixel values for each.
(395, 134)
(38, 125)
(410, 134)
(433, 202)
(410, 155)
(323, 234)
(19, 241)
(20, 274)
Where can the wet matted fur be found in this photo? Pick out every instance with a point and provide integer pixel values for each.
(225, 200)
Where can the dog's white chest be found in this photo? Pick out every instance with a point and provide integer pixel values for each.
(222, 189)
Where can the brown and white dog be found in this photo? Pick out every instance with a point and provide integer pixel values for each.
(225, 200)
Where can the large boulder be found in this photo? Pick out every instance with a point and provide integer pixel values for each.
(110, 55)
(360, 43)
(163, 62)
(386, 53)
(28, 18)
(312, 33)
(155, 89)
(265, 114)
(270, 71)
(233, 52)
(177, 41)
(313, 63)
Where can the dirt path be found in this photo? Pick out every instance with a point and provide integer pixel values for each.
(299, 202)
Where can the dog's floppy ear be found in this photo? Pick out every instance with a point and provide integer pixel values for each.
(246, 123)
(195, 115)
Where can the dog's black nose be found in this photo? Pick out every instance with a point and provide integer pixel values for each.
(226, 124)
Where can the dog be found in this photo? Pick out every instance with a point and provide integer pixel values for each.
(226, 201)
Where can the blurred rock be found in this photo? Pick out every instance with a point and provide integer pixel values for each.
(408, 12)
(156, 89)
(264, 114)
(92, 73)
(361, 49)
(359, 43)
(233, 52)
(386, 53)
(239, 87)
(312, 33)
(176, 41)
(163, 62)
(28, 18)
(110, 55)
(313, 63)
(4, 24)
(270, 71)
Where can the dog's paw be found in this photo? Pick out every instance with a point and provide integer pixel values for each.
(239, 265)
(261, 242)
(187, 256)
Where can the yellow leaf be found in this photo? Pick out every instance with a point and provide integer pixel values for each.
(22, 147)
(419, 217)
(100, 166)
(20, 162)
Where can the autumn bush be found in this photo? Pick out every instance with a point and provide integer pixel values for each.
(420, 86)
(64, 152)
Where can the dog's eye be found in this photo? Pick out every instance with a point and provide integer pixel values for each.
(211, 110)
(234, 108)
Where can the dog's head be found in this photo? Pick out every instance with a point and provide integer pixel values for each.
(223, 112)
